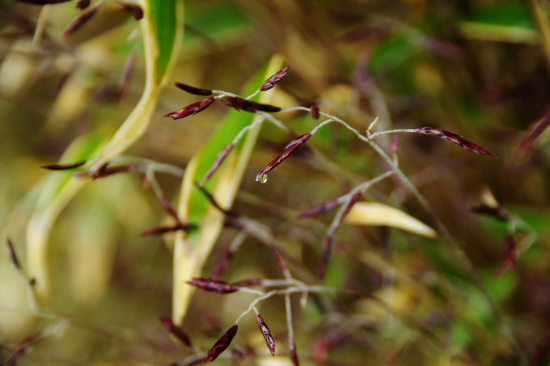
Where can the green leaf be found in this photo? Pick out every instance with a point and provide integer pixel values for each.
(57, 191)
(191, 251)
(164, 18)
(162, 29)
(502, 22)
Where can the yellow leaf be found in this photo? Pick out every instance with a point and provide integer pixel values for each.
(371, 213)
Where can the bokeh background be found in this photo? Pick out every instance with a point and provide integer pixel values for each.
(476, 68)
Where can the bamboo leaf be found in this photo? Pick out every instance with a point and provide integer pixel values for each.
(192, 249)
(162, 28)
(167, 28)
(56, 192)
(378, 214)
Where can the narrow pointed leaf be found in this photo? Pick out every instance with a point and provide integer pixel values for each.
(162, 30)
(196, 207)
(378, 214)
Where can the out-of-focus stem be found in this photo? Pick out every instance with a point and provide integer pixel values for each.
(541, 18)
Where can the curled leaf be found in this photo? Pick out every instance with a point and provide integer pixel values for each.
(175, 331)
(191, 109)
(455, 139)
(219, 287)
(289, 149)
(193, 90)
(63, 166)
(246, 105)
(274, 79)
(80, 20)
(222, 343)
(269, 341)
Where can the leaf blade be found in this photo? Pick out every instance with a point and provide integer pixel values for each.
(192, 250)
(378, 214)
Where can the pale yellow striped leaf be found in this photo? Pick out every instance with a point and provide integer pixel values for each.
(378, 214)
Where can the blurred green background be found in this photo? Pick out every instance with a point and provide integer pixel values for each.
(477, 68)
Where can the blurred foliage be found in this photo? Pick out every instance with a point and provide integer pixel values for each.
(476, 68)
